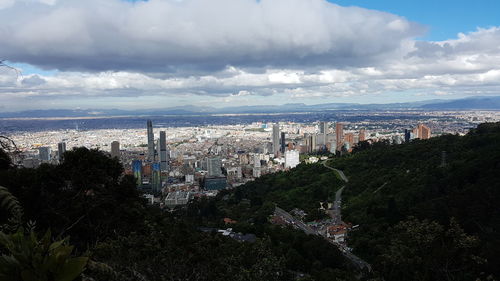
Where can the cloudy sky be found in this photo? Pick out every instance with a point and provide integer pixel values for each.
(163, 53)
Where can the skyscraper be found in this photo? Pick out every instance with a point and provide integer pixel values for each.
(137, 170)
(156, 177)
(44, 153)
(339, 131)
(214, 167)
(283, 142)
(61, 148)
(276, 139)
(407, 135)
(323, 127)
(163, 151)
(115, 149)
(151, 142)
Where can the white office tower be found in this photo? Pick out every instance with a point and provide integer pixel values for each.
(292, 158)
(61, 148)
(115, 149)
(214, 167)
(151, 142)
(163, 151)
(44, 153)
(276, 139)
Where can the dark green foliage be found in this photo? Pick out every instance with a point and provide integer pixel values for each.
(178, 253)
(389, 183)
(11, 212)
(425, 250)
(252, 204)
(85, 197)
(5, 161)
(25, 257)
(303, 187)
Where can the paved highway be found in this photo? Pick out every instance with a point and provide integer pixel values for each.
(280, 212)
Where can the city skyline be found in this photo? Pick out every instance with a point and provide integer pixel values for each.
(243, 52)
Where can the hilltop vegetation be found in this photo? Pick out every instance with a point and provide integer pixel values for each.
(423, 217)
(96, 212)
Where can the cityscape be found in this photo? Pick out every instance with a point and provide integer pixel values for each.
(249, 140)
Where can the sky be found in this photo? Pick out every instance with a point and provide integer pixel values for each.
(97, 54)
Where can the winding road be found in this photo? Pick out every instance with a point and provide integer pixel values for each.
(336, 215)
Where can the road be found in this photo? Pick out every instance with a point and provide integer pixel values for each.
(300, 224)
(335, 214)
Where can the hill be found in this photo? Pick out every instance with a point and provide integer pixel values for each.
(427, 210)
(89, 204)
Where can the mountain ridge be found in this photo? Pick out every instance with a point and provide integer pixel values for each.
(471, 103)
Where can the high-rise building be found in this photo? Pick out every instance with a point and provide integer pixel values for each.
(423, 132)
(44, 153)
(362, 135)
(151, 142)
(115, 149)
(137, 170)
(61, 148)
(407, 135)
(292, 158)
(156, 177)
(323, 127)
(276, 139)
(314, 142)
(283, 142)
(163, 151)
(214, 167)
(339, 132)
(349, 137)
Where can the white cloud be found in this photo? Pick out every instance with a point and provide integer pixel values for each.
(234, 51)
(165, 35)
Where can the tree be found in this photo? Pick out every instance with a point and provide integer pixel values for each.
(425, 250)
(27, 258)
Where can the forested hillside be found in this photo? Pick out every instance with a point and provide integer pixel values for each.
(98, 219)
(427, 210)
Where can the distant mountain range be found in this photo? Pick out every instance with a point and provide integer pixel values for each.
(473, 103)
